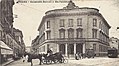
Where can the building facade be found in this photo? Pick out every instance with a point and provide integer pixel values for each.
(7, 33)
(19, 38)
(114, 42)
(34, 43)
(73, 29)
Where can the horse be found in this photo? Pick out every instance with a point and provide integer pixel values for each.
(34, 56)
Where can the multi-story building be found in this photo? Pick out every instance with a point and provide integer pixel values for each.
(7, 35)
(73, 29)
(19, 38)
(34, 43)
(114, 42)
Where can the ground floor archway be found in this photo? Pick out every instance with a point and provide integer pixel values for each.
(79, 48)
(62, 48)
(71, 49)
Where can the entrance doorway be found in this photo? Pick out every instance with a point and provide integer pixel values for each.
(79, 48)
(70, 49)
(62, 48)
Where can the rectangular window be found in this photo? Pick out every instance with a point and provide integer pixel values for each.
(95, 22)
(43, 48)
(94, 47)
(100, 25)
(62, 23)
(48, 46)
(0, 35)
(79, 22)
(70, 22)
(48, 35)
(94, 33)
(48, 24)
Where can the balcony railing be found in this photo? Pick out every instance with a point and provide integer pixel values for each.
(79, 40)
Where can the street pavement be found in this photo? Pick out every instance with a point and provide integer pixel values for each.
(97, 61)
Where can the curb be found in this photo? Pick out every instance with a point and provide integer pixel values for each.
(7, 63)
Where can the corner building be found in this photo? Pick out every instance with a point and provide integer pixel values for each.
(73, 29)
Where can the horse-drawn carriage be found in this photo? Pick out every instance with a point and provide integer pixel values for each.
(47, 59)
(54, 58)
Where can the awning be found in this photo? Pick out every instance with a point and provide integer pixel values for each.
(3, 45)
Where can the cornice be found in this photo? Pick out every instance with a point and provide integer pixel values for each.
(71, 14)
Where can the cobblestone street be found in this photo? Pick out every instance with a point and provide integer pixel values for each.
(98, 61)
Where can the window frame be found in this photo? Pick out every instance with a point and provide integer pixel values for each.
(94, 22)
(62, 22)
(60, 35)
(48, 24)
(70, 22)
(70, 33)
(48, 34)
(79, 22)
(81, 33)
(94, 33)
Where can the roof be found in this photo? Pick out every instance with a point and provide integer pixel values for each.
(16, 30)
(71, 6)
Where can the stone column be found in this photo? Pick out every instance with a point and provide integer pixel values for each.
(66, 49)
(57, 47)
(84, 48)
(74, 49)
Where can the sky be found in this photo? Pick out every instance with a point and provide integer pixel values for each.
(29, 15)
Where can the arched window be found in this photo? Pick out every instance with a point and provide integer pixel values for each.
(70, 33)
(62, 48)
(79, 33)
(62, 33)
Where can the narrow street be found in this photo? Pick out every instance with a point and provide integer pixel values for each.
(98, 61)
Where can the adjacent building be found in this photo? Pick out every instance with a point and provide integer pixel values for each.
(114, 42)
(19, 38)
(73, 29)
(8, 34)
(35, 42)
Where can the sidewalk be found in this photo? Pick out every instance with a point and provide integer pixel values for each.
(8, 62)
(94, 61)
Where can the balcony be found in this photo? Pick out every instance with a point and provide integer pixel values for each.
(72, 40)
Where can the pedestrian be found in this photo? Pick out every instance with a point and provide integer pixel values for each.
(25, 58)
(76, 56)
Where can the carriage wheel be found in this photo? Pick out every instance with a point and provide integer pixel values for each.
(44, 61)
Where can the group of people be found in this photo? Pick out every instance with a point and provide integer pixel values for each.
(79, 56)
(89, 54)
